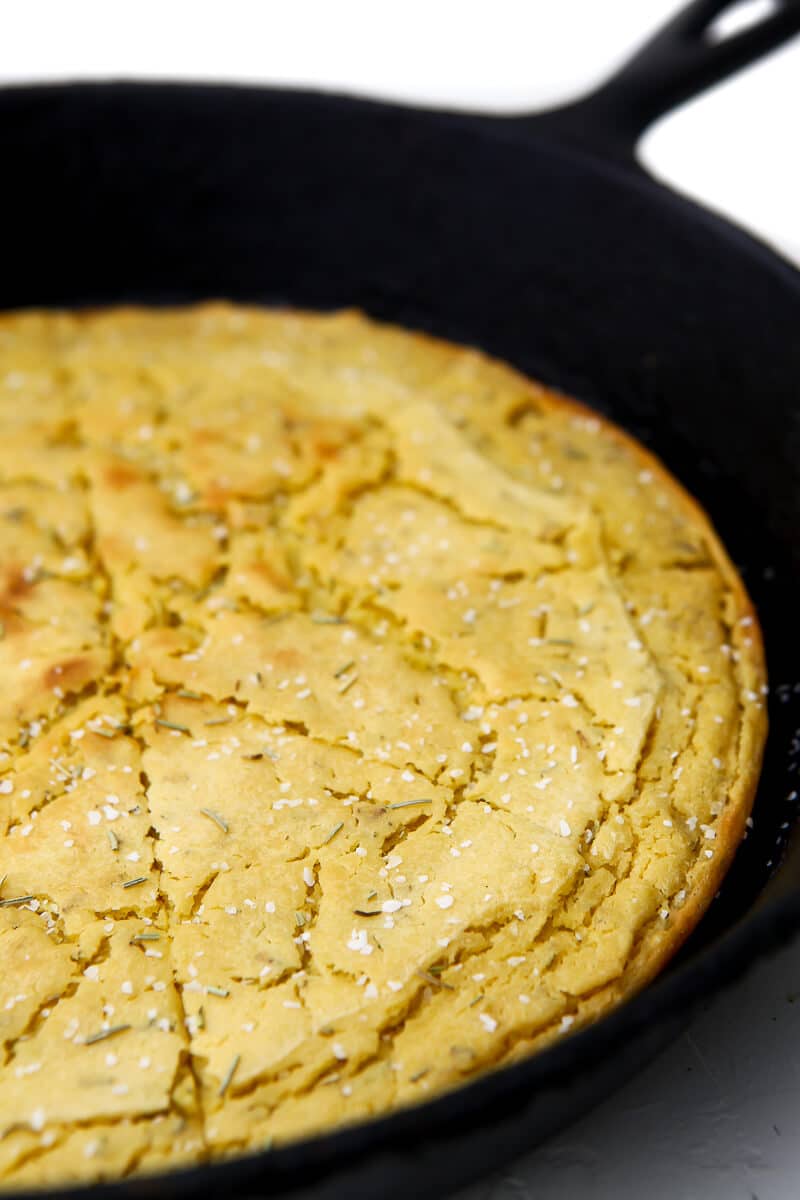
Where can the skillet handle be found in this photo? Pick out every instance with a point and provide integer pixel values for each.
(678, 62)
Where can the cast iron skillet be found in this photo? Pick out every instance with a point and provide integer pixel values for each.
(541, 240)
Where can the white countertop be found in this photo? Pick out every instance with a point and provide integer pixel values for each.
(717, 1117)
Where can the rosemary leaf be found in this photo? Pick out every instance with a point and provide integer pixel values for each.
(229, 1074)
(333, 833)
(102, 1034)
(435, 980)
(165, 724)
(216, 818)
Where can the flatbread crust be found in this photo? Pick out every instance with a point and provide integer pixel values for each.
(371, 716)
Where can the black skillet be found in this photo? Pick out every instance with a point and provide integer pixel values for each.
(541, 240)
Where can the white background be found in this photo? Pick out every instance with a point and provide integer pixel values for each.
(718, 1116)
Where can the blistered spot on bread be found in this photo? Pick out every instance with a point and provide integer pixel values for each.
(120, 476)
(70, 674)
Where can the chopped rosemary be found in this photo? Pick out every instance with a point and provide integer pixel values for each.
(188, 695)
(216, 818)
(409, 803)
(435, 980)
(299, 918)
(333, 832)
(346, 686)
(419, 1074)
(16, 900)
(3, 879)
(113, 840)
(344, 669)
(217, 991)
(367, 912)
(477, 1000)
(372, 895)
(201, 1017)
(229, 1074)
(102, 1034)
(145, 937)
(560, 642)
(219, 721)
(135, 882)
(172, 725)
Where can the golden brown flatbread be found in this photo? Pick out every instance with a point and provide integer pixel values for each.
(370, 717)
